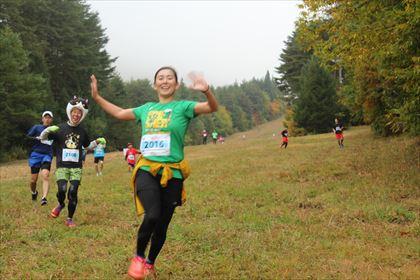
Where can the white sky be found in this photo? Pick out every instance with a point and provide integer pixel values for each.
(227, 41)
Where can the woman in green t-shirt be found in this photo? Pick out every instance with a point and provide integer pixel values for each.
(164, 125)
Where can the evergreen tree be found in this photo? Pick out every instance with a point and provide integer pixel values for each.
(316, 107)
(377, 43)
(22, 94)
(66, 45)
(292, 59)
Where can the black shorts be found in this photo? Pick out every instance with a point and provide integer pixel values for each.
(97, 159)
(44, 165)
(170, 195)
(131, 164)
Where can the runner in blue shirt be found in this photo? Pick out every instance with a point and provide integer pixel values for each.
(99, 155)
(40, 157)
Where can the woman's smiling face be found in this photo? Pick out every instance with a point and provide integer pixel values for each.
(166, 83)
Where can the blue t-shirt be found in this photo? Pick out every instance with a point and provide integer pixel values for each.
(42, 147)
(99, 151)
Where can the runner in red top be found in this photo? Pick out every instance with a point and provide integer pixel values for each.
(285, 138)
(338, 131)
(130, 156)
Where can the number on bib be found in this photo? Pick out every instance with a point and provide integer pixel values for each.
(156, 144)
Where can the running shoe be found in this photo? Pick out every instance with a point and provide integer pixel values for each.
(56, 211)
(149, 271)
(34, 195)
(43, 201)
(136, 269)
(70, 223)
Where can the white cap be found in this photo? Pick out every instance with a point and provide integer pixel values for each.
(47, 113)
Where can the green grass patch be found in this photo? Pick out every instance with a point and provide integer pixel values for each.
(254, 211)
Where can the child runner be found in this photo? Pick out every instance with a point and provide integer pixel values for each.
(98, 158)
(40, 157)
(130, 156)
(285, 138)
(338, 130)
(158, 176)
(69, 139)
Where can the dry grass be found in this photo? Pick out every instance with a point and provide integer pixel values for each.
(253, 212)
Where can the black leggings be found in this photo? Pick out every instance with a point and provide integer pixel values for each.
(159, 205)
(71, 195)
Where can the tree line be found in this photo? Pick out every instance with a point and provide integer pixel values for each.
(49, 48)
(366, 57)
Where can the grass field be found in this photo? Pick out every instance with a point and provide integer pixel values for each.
(254, 211)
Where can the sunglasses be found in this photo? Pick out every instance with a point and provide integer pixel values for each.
(76, 100)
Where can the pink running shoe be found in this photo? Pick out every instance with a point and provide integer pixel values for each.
(137, 268)
(56, 211)
(70, 223)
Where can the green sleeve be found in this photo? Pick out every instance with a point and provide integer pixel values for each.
(189, 109)
(138, 111)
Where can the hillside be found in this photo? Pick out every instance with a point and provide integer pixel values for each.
(253, 212)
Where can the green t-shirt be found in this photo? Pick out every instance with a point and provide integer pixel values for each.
(163, 130)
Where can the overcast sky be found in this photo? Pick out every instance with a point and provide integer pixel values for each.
(227, 41)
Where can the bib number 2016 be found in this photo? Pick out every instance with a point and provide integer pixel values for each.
(155, 145)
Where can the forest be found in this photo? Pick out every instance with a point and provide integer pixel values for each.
(362, 68)
(357, 60)
(49, 49)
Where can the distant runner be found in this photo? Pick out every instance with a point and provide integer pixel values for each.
(214, 135)
(98, 158)
(285, 138)
(41, 157)
(204, 134)
(338, 130)
(130, 156)
(221, 139)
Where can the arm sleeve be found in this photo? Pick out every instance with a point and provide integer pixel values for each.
(86, 141)
(189, 109)
(138, 111)
(31, 132)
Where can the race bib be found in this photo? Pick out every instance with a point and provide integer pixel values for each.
(130, 157)
(70, 155)
(156, 144)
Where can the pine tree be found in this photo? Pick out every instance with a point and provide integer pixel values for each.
(21, 93)
(292, 59)
(316, 107)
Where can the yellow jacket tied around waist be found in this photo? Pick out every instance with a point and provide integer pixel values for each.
(155, 167)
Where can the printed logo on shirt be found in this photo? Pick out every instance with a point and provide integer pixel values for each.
(72, 140)
(158, 119)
